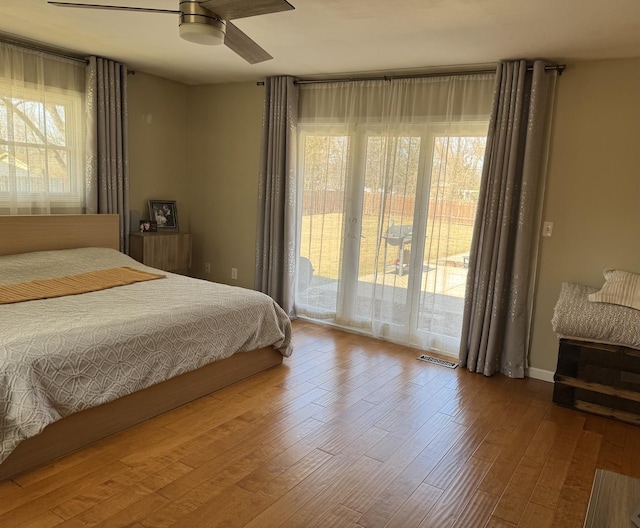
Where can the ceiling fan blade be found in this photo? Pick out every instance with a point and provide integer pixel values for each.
(114, 8)
(232, 9)
(237, 41)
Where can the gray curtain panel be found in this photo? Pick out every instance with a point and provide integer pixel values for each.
(498, 302)
(107, 150)
(276, 236)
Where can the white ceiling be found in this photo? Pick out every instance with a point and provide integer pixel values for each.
(324, 37)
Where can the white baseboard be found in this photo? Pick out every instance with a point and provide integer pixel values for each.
(536, 373)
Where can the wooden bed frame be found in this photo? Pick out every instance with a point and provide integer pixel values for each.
(23, 234)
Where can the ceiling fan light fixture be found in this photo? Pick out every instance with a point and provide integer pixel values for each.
(199, 25)
(206, 34)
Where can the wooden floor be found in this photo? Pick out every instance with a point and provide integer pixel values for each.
(349, 432)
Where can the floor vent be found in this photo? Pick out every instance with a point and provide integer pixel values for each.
(438, 361)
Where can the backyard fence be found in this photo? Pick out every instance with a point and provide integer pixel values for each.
(458, 212)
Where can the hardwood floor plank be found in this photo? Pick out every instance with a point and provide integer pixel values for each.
(391, 499)
(401, 425)
(233, 449)
(339, 517)
(364, 496)
(536, 516)
(46, 520)
(574, 495)
(272, 491)
(229, 499)
(414, 509)
(478, 511)
(301, 495)
(453, 502)
(9, 487)
(282, 462)
(507, 461)
(495, 522)
(340, 433)
(447, 469)
(316, 510)
(554, 473)
(229, 466)
(631, 454)
(348, 432)
(131, 514)
(612, 447)
(94, 516)
(413, 411)
(45, 495)
(516, 495)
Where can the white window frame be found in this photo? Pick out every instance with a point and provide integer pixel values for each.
(73, 103)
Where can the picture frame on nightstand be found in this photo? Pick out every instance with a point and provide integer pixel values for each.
(148, 226)
(164, 213)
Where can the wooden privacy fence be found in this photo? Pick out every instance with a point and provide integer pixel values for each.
(458, 212)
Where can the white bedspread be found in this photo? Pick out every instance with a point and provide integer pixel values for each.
(60, 356)
(576, 317)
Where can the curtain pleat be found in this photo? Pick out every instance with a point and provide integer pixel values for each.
(276, 234)
(499, 292)
(107, 142)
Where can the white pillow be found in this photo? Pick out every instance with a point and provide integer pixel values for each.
(620, 287)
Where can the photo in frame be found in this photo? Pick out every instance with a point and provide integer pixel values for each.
(164, 213)
(148, 226)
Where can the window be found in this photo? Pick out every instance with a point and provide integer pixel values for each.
(42, 135)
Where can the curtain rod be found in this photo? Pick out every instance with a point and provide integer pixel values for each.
(40, 49)
(558, 67)
(46, 51)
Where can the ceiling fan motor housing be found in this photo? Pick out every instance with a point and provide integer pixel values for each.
(199, 25)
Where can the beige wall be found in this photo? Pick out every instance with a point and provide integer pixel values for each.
(225, 133)
(593, 187)
(158, 144)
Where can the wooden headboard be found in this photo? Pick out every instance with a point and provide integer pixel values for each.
(24, 234)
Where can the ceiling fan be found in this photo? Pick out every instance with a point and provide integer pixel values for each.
(208, 21)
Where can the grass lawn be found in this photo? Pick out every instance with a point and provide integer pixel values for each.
(324, 248)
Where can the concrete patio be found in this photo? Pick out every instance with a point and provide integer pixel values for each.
(440, 304)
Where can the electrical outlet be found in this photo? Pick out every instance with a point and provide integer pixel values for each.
(547, 229)
(207, 267)
(234, 273)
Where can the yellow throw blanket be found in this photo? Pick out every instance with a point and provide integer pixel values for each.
(74, 284)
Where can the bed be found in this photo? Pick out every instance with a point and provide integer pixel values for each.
(77, 368)
(598, 367)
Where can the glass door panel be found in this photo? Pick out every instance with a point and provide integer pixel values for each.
(391, 175)
(386, 227)
(456, 170)
(322, 224)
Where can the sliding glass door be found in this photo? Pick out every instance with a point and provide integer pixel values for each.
(385, 220)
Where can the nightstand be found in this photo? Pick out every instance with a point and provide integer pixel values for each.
(168, 251)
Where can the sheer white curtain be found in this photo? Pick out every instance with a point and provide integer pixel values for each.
(42, 126)
(389, 173)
